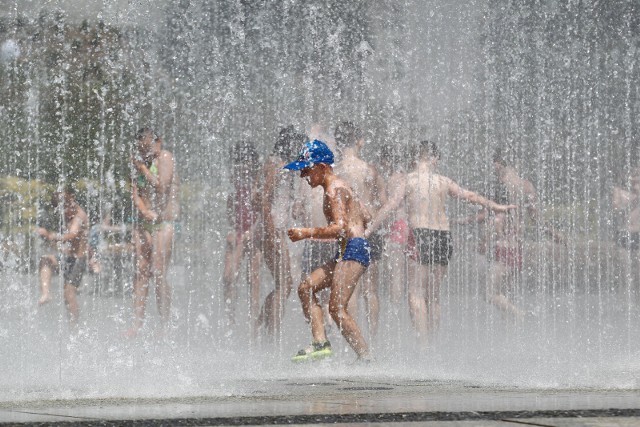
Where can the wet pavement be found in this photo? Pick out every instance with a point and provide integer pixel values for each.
(356, 401)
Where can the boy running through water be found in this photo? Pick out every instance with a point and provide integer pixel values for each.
(347, 219)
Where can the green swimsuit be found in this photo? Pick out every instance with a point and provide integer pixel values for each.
(142, 180)
(142, 183)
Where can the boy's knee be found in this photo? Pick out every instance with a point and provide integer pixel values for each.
(304, 289)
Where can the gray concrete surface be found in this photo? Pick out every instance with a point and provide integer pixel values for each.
(348, 401)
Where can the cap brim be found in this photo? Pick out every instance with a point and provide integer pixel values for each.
(296, 166)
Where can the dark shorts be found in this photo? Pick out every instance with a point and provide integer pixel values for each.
(356, 249)
(72, 270)
(377, 243)
(628, 240)
(316, 253)
(433, 246)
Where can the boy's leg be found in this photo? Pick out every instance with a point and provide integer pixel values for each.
(417, 297)
(370, 294)
(255, 263)
(345, 278)
(232, 260)
(161, 257)
(319, 279)
(424, 298)
(142, 245)
(73, 270)
(48, 264)
(434, 279)
(71, 301)
(278, 262)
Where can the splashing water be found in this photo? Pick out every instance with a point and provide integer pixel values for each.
(555, 86)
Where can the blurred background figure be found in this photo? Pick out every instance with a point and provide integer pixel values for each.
(244, 239)
(155, 198)
(277, 200)
(72, 248)
(369, 188)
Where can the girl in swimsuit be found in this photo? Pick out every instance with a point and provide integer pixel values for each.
(241, 242)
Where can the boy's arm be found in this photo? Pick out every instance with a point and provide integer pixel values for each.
(166, 167)
(72, 232)
(456, 191)
(398, 195)
(336, 227)
(146, 213)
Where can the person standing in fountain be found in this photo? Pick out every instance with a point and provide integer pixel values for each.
(155, 199)
(400, 241)
(73, 246)
(505, 233)
(277, 202)
(426, 193)
(508, 228)
(244, 237)
(347, 219)
(367, 183)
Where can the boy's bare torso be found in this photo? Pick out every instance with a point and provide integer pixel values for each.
(341, 205)
(426, 196)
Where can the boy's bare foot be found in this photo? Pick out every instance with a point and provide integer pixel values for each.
(45, 298)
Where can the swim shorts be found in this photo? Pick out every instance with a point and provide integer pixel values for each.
(356, 249)
(628, 240)
(377, 244)
(316, 253)
(433, 246)
(72, 270)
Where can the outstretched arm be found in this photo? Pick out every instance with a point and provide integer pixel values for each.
(479, 217)
(393, 202)
(73, 231)
(456, 191)
(336, 227)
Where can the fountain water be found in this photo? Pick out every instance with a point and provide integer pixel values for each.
(555, 85)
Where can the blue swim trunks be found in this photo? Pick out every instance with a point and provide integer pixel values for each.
(356, 249)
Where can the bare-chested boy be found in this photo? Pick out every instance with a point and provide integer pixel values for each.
(308, 212)
(367, 183)
(426, 193)
(74, 248)
(347, 219)
(155, 198)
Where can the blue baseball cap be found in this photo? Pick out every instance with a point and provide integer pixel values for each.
(312, 153)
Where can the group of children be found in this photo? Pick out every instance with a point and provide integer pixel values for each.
(154, 192)
(398, 208)
(352, 213)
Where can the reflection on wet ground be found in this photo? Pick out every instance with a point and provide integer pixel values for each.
(349, 401)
